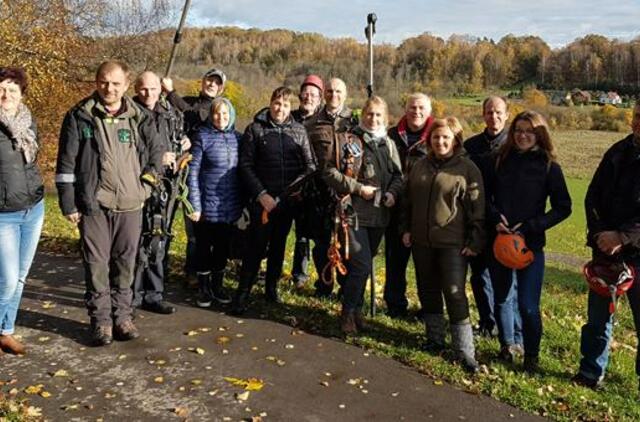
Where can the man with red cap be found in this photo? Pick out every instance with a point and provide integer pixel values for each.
(310, 97)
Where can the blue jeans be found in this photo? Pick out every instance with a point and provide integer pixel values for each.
(19, 231)
(597, 332)
(528, 292)
(482, 288)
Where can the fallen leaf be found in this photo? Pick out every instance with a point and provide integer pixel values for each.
(48, 305)
(43, 339)
(289, 346)
(34, 389)
(191, 333)
(213, 392)
(204, 329)
(181, 412)
(222, 340)
(13, 392)
(122, 357)
(45, 394)
(158, 380)
(67, 407)
(324, 383)
(250, 384)
(242, 396)
(342, 406)
(239, 335)
(198, 350)
(196, 382)
(395, 394)
(223, 328)
(60, 373)
(109, 395)
(34, 412)
(438, 382)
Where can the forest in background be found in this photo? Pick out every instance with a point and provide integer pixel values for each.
(60, 43)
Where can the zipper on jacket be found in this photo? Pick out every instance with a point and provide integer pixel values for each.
(433, 182)
(282, 169)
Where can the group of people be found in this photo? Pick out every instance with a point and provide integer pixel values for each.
(345, 181)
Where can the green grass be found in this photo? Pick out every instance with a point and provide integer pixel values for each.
(563, 306)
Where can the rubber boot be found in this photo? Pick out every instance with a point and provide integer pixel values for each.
(218, 292)
(462, 342)
(204, 289)
(435, 327)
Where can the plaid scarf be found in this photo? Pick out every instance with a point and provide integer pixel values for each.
(22, 136)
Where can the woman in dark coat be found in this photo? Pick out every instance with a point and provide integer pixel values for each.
(443, 223)
(522, 176)
(21, 200)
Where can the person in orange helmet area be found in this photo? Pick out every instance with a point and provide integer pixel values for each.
(519, 179)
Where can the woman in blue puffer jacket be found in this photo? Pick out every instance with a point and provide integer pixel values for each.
(214, 192)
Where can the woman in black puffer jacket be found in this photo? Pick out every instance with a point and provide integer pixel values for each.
(21, 200)
(523, 175)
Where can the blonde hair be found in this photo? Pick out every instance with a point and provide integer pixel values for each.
(451, 123)
(377, 101)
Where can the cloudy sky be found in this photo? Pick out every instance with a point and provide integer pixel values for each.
(558, 22)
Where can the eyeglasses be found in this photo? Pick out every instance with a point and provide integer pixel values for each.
(530, 132)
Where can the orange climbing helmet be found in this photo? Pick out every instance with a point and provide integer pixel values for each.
(609, 278)
(511, 251)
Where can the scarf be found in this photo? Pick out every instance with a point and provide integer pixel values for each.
(380, 133)
(22, 136)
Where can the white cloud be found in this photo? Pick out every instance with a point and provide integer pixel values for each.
(556, 21)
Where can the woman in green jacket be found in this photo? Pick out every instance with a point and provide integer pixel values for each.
(443, 223)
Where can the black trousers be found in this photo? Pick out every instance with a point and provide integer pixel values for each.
(396, 260)
(441, 272)
(213, 245)
(269, 238)
(363, 245)
(109, 247)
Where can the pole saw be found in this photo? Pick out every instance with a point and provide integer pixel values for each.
(369, 32)
(177, 38)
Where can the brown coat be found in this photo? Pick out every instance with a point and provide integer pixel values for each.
(443, 203)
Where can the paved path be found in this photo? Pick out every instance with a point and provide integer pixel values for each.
(177, 368)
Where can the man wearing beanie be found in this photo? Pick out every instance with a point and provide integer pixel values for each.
(196, 110)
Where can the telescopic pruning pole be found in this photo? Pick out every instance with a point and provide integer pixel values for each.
(177, 38)
(369, 31)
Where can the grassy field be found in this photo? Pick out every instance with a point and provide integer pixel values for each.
(563, 303)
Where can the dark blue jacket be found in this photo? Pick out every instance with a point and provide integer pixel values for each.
(214, 186)
(519, 188)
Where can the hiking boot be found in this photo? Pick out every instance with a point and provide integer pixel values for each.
(126, 331)
(584, 381)
(517, 349)
(271, 292)
(531, 364)
(102, 335)
(462, 343)
(434, 327)
(348, 322)
(507, 353)
(361, 323)
(161, 307)
(204, 290)
(9, 344)
(240, 302)
(217, 290)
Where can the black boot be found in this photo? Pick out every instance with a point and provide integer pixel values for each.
(241, 298)
(218, 292)
(204, 290)
(271, 291)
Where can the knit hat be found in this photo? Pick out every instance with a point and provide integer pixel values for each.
(215, 72)
(314, 80)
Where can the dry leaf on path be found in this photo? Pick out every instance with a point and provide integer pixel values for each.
(181, 411)
(60, 373)
(250, 384)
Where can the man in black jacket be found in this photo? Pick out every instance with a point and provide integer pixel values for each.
(410, 136)
(612, 205)
(196, 110)
(274, 152)
(159, 209)
(495, 113)
(107, 144)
